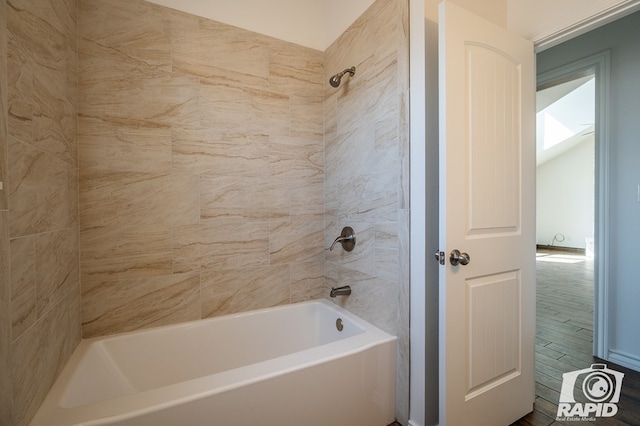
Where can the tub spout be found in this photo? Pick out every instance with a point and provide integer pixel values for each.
(340, 291)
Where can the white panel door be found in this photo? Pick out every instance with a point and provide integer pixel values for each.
(487, 204)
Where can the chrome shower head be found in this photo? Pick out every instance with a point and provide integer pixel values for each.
(335, 80)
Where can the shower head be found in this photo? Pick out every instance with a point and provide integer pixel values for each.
(335, 80)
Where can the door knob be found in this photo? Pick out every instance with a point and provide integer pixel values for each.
(456, 258)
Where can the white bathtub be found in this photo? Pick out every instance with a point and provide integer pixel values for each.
(279, 366)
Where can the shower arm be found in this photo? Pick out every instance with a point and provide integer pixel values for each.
(335, 80)
(351, 71)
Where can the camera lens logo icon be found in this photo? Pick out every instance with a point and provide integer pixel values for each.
(598, 387)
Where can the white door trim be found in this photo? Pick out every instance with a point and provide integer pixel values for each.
(600, 64)
(586, 25)
(418, 218)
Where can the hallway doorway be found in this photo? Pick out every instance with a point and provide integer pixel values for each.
(572, 168)
(565, 208)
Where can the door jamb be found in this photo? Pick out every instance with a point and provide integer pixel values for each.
(600, 64)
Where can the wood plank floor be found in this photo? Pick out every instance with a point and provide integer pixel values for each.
(564, 339)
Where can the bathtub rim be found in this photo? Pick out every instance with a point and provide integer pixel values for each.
(137, 404)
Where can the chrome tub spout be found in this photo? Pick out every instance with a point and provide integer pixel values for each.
(340, 291)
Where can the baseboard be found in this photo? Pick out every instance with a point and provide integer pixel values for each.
(560, 248)
(624, 359)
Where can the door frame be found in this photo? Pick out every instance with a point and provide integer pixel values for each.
(600, 65)
(423, 284)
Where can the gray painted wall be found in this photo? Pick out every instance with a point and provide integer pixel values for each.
(623, 38)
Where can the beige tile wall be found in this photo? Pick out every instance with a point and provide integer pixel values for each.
(201, 168)
(4, 166)
(6, 385)
(366, 174)
(6, 388)
(39, 251)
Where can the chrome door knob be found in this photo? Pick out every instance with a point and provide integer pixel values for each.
(456, 258)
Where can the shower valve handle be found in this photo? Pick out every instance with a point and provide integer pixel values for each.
(347, 238)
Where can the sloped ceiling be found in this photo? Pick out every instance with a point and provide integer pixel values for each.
(547, 97)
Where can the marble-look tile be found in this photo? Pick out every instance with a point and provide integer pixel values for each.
(42, 56)
(6, 388)
(404, 148)
(330, 106)
(295, 242)
(376, 32)
(123, 305)
(57, 267)
(367, 175)
(241, 109)
(372, 95)
(295, 70)
(387, 234)
(364, 189)
(53, 18)
(19, 91)
(237, 290)
(245, 186)
(221, 244)
(217, 50)
(123, 146)
(53, 124)
(387, 263)
(124, 199)
(387, 251)
(307, 281)
(110, 253)
(241, 198)
(4, 167)
(40, 191)
(403, 315)
(307, 118)
(305, 197)
(296, 158)
(404, 243)
(136, 30)
(37, 358)
(23, 284)
(218, 153)
(75, 317)
(41, 183)
(151, 96)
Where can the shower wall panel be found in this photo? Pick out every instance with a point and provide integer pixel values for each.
(367, 173)
(39, 251)
(201, 167)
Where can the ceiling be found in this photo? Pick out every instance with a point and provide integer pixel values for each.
(565, 117)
